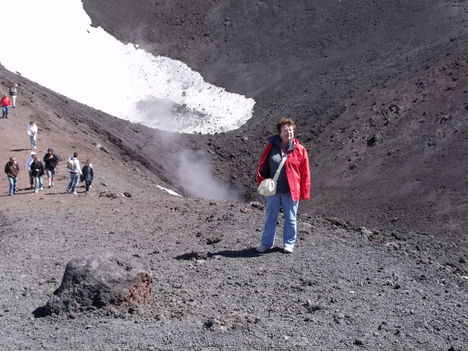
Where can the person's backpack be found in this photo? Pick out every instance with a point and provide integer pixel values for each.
(71, 164)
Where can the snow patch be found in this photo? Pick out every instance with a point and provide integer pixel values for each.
(172, 192)
(61, 51)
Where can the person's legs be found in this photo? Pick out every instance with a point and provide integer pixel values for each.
(88, 184)
(50, 176)
(12, 182)
(31, 180)
(37, 184)
(33, 139)
(13, 100)
(74, 181)
(271, 216)
(71, 182)
(4, 112)
(290, 223)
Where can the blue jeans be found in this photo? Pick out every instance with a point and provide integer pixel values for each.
(38, 183)
(73, 181)
(273, 205)
(33, 140)
(5, 111)
(50, 173)
(12, 182)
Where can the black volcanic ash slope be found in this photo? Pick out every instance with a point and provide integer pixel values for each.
(321, 62)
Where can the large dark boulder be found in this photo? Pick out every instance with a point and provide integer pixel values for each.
(102, 282)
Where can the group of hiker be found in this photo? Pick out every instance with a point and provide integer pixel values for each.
(283, 176)
(37, 168)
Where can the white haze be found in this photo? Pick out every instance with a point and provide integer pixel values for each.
(195, 174)
(52, 43)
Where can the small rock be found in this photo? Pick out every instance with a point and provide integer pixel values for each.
(212, 241)
(257, 205)
(336, 221)
(358, 342)
(372, 141)
(366, 231)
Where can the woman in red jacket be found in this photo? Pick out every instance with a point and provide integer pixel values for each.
(293, 183)
(5, 103)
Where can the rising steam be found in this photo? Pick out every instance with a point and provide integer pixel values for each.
(194, 174)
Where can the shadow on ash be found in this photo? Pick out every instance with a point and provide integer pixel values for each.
(101, 283)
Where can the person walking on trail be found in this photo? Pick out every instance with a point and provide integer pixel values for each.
(28, 167)
(50, 162)
(73, 165)
(292, 184)
(87, 175)
(12, 170)
(32, 132)
(5, 103)
(13, 93)
(37, 171)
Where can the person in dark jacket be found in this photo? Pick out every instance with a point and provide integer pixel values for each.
(87, 174)
(293, 183)
(12, 170)
(37, 171)
(50, 162)
(27, 165)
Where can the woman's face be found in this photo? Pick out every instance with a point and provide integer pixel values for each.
(287, 133)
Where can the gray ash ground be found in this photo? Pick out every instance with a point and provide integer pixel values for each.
(379, 94)
(342, 288)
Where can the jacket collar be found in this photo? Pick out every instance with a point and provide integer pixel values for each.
(276, 140)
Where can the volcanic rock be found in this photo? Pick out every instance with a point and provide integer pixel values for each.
(102, 282)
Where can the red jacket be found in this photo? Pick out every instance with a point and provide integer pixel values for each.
(5, 101)
(297, 171)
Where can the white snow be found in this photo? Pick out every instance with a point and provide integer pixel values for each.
(60, 50)
(172, 192)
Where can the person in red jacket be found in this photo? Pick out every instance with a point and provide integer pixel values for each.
(293, 183)
(5, 103)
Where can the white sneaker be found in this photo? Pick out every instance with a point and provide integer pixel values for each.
(75, 193)
(36, 191)
(262, 248)
(41, 188)
(288, 249)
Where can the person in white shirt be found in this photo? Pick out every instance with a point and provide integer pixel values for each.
(73, 165)
(32, 132)
(13, 93)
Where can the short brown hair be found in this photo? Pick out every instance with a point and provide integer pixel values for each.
(284, 121)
